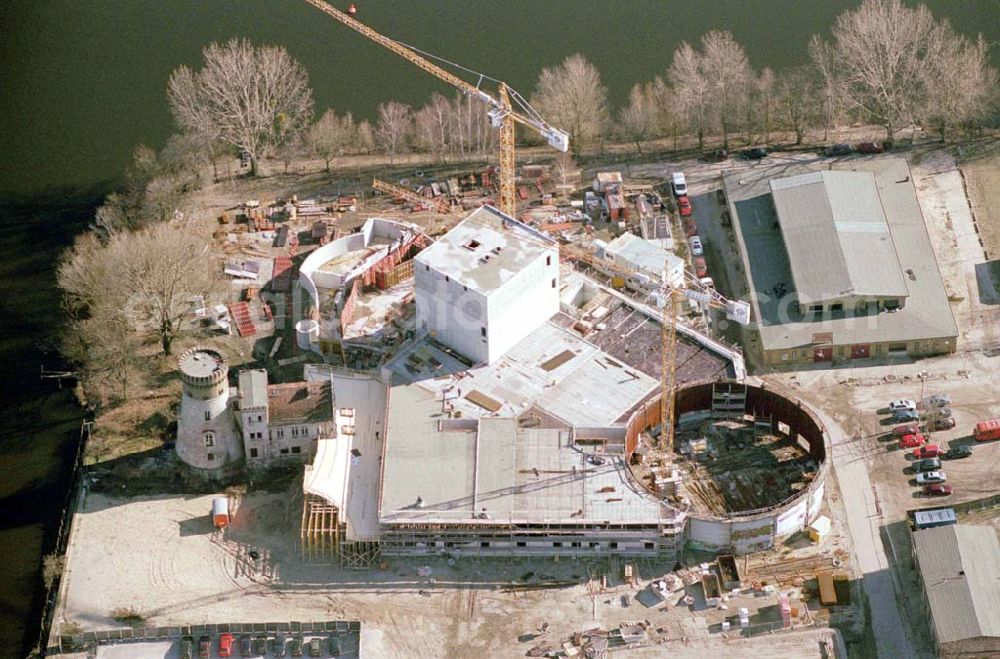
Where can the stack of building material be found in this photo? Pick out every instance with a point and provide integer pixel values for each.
(241, 314)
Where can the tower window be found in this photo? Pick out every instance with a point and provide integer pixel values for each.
(209, 438)
(548, 260)
(208, 415)
(210, 457)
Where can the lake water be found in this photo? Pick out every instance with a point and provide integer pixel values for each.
(83, 83)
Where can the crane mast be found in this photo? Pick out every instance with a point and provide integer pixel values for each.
(502, 115)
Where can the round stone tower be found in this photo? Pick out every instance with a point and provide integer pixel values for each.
(207, 440)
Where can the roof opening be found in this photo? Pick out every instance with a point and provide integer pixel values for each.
(472, 245)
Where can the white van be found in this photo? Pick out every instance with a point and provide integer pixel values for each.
(679, 184)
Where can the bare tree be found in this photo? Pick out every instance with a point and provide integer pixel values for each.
(331, 135)
(394, 127)
(572, 98)
(725, 66)
(146, 278)
(690, 88)
(670, 118)
(364, 139)
(435, 126)
(637, 121)
(796, 94)
(251, 98)
(474, 135)
(761, 105)
(959, 85)
(886, 56)
(825, 62)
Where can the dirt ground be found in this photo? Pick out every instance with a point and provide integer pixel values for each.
(162, 557)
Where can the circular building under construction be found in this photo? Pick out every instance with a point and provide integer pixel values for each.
(751, 464)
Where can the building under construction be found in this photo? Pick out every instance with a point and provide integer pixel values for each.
(535, 448)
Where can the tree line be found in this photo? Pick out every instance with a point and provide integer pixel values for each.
(886, 64)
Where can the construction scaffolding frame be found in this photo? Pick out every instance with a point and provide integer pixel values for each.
(323, 537)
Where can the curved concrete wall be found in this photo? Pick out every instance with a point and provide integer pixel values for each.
(749, 531)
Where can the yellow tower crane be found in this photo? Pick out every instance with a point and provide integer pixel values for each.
(502, 114)
(670, 296)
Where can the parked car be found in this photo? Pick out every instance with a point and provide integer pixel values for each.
(679, 184)
(900, 405)
(336, 645)
(841, 149)
(905, 415)
(205, 646)
(947, 423)
(260, 644)
(938, 490)
(911, 441)
(927, 464)
(296, 649)
(928, 477)
(690, 228)
(908, 429)
(957, 453)
(246, 646)
(937, 400)
(929, 451)
(756, 153)
(315, 647)
(870, 147)
(938, 413)
(684, 206)
(700, 269)
(226, 642)
(186, 648)
(696, 247)
(278, 645)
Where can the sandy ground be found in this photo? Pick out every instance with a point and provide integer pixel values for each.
(162, 557)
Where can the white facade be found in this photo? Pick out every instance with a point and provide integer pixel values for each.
(206, 435)
(486, 285)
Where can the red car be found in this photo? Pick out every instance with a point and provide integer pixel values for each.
(929, 451)
(908, 429)
(869, 147)
(938, 490)
(912, 441)
(700, 268)
(684, 205)
(226, 642)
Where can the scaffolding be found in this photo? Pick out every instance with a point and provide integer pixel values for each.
(729, 401)
(323, 538)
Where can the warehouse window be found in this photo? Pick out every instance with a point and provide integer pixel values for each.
(482, 331)
(553, 283)
(548, 260)
(280, 433)
(295, 431)
(649, 545)
(296, 449)
(253, 453)
(284, 451)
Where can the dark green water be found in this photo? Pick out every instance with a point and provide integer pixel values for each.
(82, 83)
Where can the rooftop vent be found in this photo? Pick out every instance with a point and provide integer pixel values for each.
(497, 250)
(486, 259)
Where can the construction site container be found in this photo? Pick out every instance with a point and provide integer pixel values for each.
(819, 528)
(827, 593)
(987, 430)
(928, 519)
(220, 512)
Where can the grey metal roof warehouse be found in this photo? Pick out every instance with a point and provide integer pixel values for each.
(837, 236)
(960, 568)
(767, 261)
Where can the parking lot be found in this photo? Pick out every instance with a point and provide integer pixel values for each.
(171, 649)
